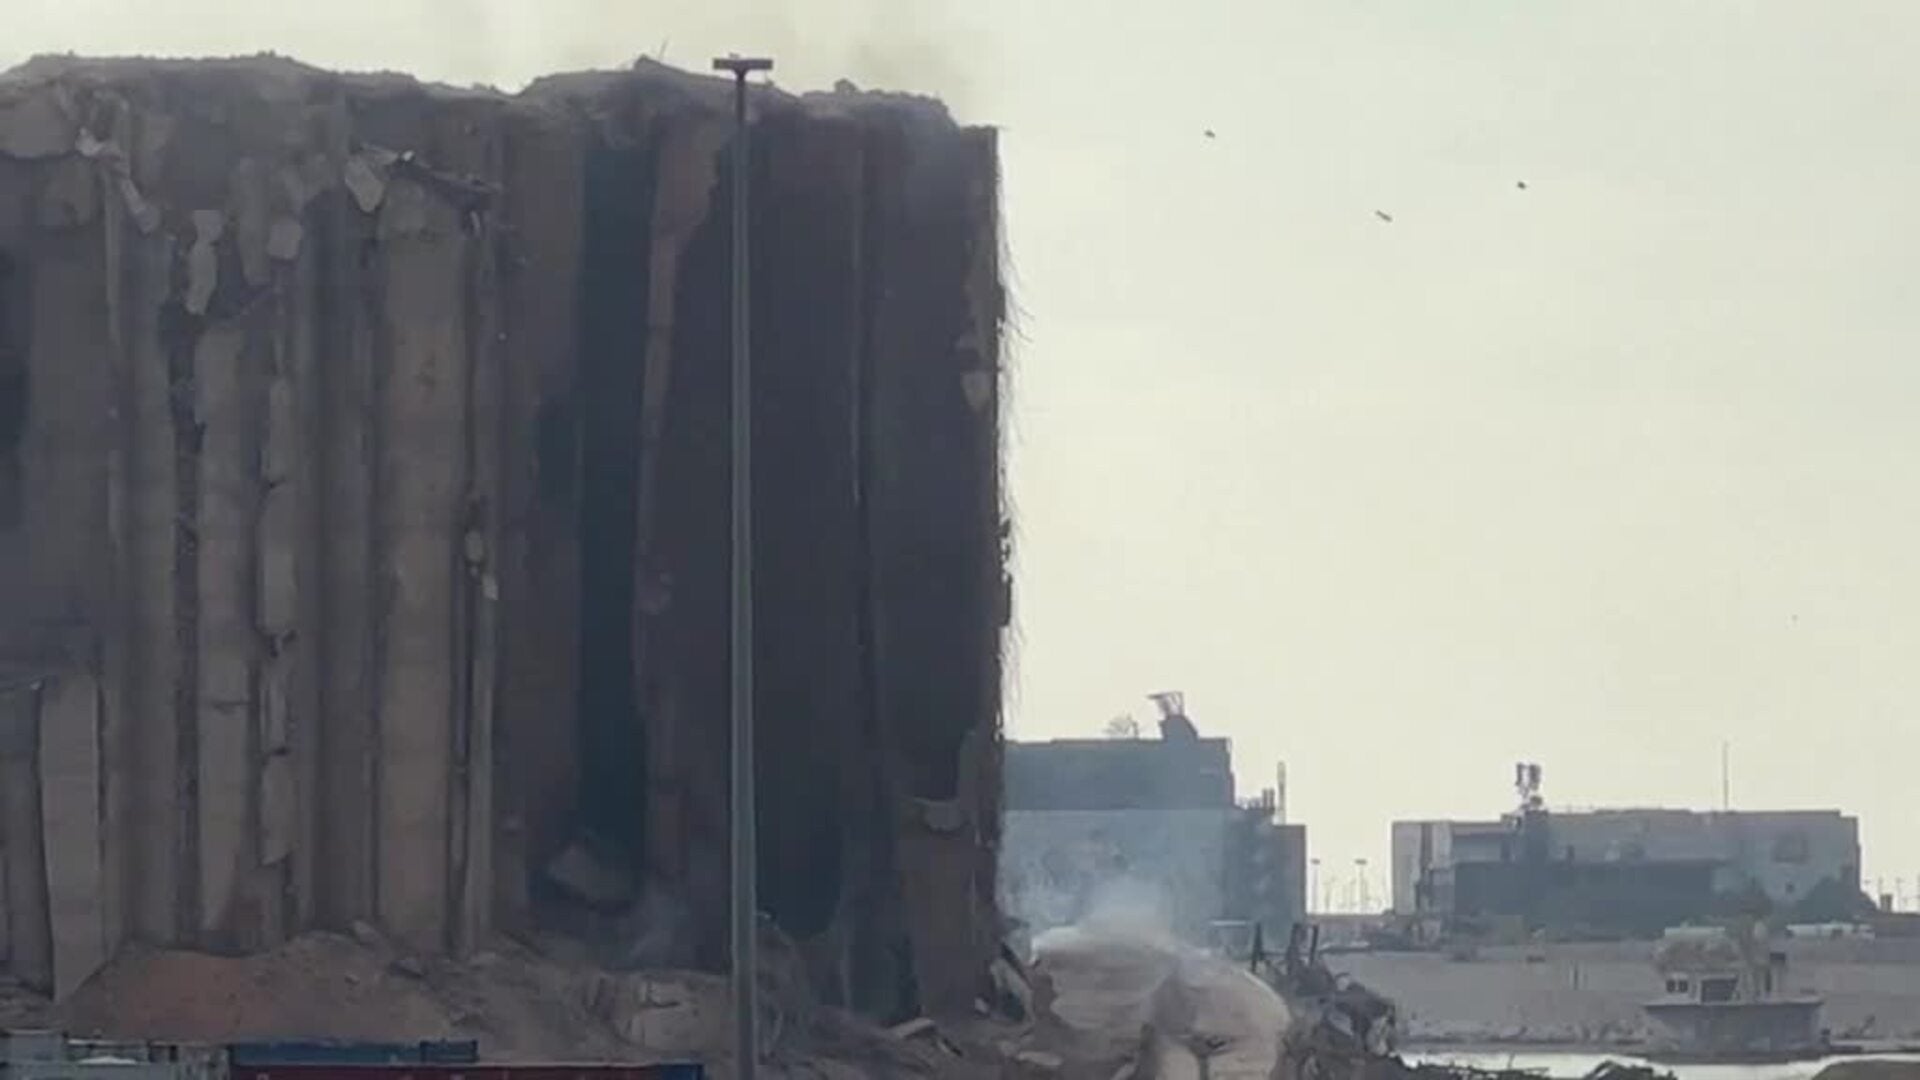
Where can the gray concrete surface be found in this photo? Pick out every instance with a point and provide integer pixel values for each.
(1590, 994)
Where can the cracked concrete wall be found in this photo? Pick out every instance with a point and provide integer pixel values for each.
(261, 468)
(326, 376)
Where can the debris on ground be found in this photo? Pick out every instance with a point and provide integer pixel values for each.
(330, 986)
(20, 1007)
(517, 1003)
(1341, 1030)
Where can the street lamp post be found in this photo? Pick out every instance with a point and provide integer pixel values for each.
(741, 835)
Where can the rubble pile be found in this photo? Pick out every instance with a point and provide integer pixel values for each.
(1338, 1029)
(363, 520)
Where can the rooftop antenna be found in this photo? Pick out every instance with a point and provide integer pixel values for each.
(1526, 784)
(1173, 715)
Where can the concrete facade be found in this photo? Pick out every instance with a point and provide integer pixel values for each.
(1266, 869)
(1147, 828)
(1166, 866)
(1120, 774)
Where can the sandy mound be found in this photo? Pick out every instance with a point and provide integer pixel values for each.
(519, 1005)
(326, 986)
(1110, 985)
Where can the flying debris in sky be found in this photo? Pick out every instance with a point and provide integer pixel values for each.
(1383, 216)
(1522, 185)
(1209, 133)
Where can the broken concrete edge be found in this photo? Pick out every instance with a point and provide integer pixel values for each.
(712, 91)
(51, 106)
(53, 67)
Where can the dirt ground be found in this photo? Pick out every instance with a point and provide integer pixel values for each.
(1108, 1000)
(330, 986)
(519, 1004)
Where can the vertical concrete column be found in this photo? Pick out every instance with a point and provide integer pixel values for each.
(70, 763)
(421, 411)
(345, 321)
(688, 170)
(152, 507)
(227, 635)
(29, 930)
(477, 596)
(537, 564)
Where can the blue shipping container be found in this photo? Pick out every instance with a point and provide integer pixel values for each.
(663, 1071)
(325, 1052)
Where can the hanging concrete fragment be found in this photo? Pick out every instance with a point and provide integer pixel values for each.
(283, 239)
(367, 183)
(35, 125)
(203, 262)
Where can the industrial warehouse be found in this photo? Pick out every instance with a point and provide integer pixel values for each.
(1151, 823)
(1626, 871)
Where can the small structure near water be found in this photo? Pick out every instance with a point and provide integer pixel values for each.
(1725, 999)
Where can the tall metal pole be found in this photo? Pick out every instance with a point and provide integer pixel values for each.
(1727, 777)
(743, 843)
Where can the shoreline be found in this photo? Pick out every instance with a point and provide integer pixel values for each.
(1590, 997)
(1641, 1051)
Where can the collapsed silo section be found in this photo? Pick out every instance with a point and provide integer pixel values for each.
(878, 519)
(363, 461)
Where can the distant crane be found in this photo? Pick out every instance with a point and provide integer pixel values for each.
(1173, 715)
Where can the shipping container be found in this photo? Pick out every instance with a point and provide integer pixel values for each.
(662, 1071)
(332, 1052)
(51, 1055)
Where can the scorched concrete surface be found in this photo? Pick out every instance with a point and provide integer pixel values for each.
(363, 517)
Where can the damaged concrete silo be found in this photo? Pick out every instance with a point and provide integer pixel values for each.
(362, 489)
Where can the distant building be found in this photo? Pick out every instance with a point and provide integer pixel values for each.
(1266, 872)
(1626, 870)
(1147, 827)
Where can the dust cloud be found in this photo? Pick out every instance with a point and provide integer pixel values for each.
(1123, 986)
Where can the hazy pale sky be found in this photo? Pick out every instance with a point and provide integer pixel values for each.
(1598, 473)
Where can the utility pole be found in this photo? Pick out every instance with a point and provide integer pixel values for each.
(742, 840)
(1727, 777)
